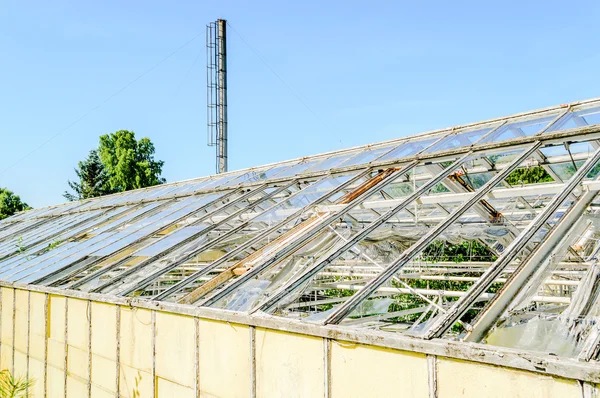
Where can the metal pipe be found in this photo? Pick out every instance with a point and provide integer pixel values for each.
(222, 95)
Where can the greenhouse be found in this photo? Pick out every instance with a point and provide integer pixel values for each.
(462, 250)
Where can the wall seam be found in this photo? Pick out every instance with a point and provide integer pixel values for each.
(252, 330)
(46, 337)
(28, 337)
(14, 310)
(154, 383)
(588, 390)
(66, 362)
(89, 316)
(197, 356)
(327, 366)
(1, 291)
(118, 352)
(432, 370)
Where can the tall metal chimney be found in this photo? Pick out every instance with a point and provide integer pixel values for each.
(216, 84)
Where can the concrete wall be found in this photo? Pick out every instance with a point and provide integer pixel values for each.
(75, 347)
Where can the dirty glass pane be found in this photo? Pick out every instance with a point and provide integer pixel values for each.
(409, 148)
(457, 140)
(555, 312)
(520, 129)
(577, 118)
(414, 295)
(253, 223)
(367, 156)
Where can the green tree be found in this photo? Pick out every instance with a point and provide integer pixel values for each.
(529, 175)
(130, 163)
(10, 203)
(93, 179)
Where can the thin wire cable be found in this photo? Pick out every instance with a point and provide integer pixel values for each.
(119, 91)
(186, 75)
(259, 55)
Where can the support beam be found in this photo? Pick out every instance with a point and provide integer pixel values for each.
(316, 268)
(246, 246)
(346, 308)
(511, 252)
(382, 180)
(227, 203)
(557, 241)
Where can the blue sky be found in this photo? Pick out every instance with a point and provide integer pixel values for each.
(370, 71)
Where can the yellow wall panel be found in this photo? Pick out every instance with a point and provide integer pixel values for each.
(176, 345)
(167, 389)
(37, 346)
(135, 383)
(97, 392)
(6, 332)
(78, 323)
(22, 297)
(22, 310)
(56, 354)
(20, 364)
(104, 330)
(136, 338)
(6, 336)
(77, 363)
(76, 388)
(289, 364)
(353, 373)
(37, 319)
(56, 317)
(36, 375)
(224, 359)
(6, 357)
(56, 382)
(466, 379)
(104, 373)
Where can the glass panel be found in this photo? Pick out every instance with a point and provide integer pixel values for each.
(556, 310)
(367, 155)
(518, 129)
(297, 169)
(255, 224)
(578, 118)
(218, 182)
(401, 228)
(329, 163)
(424, 286)
(256, 175)
(102, 244)
(457, 140)
(409, 148)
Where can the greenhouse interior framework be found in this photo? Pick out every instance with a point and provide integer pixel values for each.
(485, 233)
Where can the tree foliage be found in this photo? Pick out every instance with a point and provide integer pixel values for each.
(93, 179)
(529, 175)
(10, 203)
(121, 163)
(130, 163)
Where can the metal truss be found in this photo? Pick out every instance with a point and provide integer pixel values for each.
(436, 236)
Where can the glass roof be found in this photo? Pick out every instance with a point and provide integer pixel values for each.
(419, 236)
